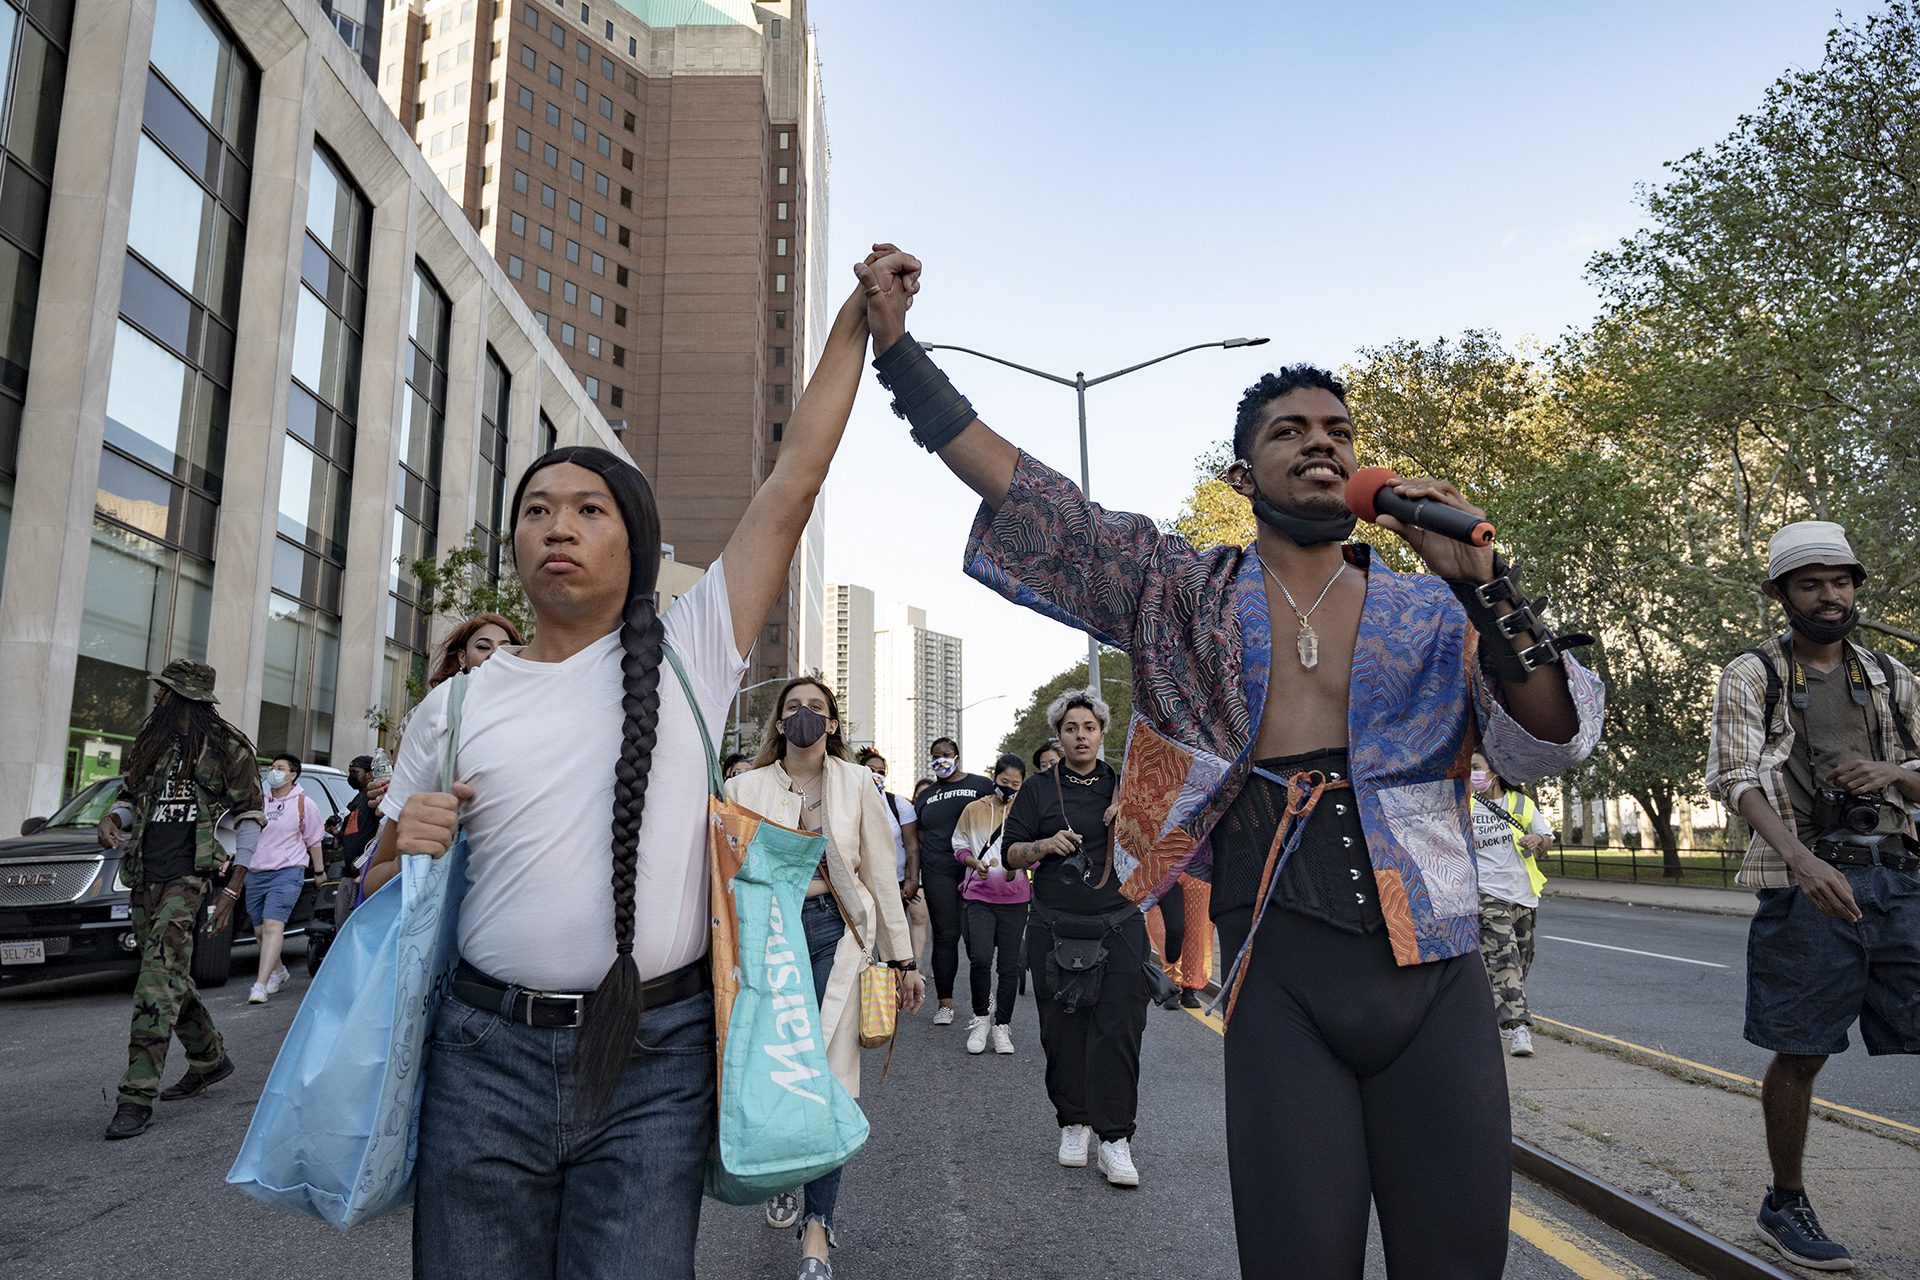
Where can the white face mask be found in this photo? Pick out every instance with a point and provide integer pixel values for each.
(276, 779)
(943, 767)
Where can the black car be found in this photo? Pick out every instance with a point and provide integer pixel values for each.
(63, 911)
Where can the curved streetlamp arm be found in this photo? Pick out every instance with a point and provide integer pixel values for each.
(1038, 373)
(1109, 377)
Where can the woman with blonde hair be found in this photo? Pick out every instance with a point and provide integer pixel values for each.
(804, 777)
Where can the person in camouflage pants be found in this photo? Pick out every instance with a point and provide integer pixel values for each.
(187, 770)
(165, 1001)
(1506, 945)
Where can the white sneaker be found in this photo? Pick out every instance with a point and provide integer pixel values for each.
(277, 979)
(1002, 1038)
(1116, 1164)
(1520, 1042)
(258, 994)
(1074, 1140)
(977, 1033)
(943, 1016)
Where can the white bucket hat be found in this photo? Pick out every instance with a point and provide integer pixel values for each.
(1806, 542)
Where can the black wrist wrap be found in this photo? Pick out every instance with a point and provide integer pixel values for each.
(922, 394)
(1482, 601)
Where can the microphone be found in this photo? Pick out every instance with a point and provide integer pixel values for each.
(1370, 494)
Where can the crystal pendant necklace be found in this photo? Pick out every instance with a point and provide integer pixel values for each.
(1308, 644)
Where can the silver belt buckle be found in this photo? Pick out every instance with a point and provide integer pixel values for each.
(579, 1007)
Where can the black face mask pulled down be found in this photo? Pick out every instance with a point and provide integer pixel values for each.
(803, 727)
(1307, 531)
(1820, 630)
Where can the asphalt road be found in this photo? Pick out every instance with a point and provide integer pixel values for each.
(958, 1181)
(1686, 996)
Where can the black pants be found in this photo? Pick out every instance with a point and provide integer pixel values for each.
(1093, 1055)
(995, 927)
(943, 913)
(1173, 919)
(1352, 1078)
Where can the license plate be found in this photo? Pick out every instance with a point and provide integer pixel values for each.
(23, 952)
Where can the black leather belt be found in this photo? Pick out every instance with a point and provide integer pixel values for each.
(1853, 855)
(561, 1010)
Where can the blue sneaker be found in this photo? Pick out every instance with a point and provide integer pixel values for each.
(1795, 1231)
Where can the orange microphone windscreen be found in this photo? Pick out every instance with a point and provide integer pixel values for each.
(1362, 488)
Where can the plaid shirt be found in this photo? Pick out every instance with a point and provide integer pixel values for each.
(1744, 754)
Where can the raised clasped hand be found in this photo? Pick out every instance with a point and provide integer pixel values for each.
(889, 278)
(430, 820)
(1445, 556)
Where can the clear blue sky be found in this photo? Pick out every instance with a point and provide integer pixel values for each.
(1094, 184)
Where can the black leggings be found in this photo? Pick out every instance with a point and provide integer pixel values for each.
(943, 913)
(991, 927)
(1352, 1078)
(1173, 920)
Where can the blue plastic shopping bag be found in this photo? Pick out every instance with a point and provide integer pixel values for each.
(333, 1135)
(785, 1118)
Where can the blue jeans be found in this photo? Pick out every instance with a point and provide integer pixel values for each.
(824, 927)
(507, 1186)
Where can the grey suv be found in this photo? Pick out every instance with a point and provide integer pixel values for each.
(64, 912)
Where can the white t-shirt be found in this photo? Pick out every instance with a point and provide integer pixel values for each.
(538, 744)
(1503, 874)
(905, 818)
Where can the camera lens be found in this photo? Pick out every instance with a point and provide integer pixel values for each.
(1862, 815)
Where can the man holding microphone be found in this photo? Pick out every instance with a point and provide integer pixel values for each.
(1303, 721)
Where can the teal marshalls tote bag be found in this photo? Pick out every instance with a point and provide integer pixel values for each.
(785, 1118)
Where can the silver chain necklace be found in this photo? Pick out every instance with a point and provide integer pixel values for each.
(1308, 644)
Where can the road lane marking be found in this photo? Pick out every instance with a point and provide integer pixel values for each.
(1657, 955)
(1579, 1253)
(1722, 1073)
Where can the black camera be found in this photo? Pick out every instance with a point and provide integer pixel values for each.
(1837, 810)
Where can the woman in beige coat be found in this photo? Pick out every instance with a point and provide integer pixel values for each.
(805, 778)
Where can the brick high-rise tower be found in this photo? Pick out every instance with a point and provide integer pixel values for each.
(652, 174)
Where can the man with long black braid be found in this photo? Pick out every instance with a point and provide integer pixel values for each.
(568, 1105)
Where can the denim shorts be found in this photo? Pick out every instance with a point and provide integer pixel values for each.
(271, 894)
(1809, 974)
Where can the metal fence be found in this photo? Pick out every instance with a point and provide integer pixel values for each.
(1707, 868)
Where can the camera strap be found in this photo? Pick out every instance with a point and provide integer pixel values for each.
(1800, 698)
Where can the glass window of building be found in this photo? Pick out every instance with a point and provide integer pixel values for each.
(150, 567)
(33, 78)
(417, 516)
(549, 435)
(495, 401)
(309, 554)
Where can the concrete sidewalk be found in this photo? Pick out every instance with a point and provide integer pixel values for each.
(1699, 1150)
(1671, 897)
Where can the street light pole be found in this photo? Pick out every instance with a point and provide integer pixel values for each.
(1080, 382)
(738, 736)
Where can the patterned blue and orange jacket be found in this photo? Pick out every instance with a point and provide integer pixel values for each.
(1196, 627)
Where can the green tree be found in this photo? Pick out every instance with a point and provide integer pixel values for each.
(1116, 679)
(1213, 514)
(460, 583)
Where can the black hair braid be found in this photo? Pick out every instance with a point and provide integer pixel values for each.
(614, 1008)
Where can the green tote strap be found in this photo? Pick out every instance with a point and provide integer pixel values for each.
(714, 780)
(455, 697)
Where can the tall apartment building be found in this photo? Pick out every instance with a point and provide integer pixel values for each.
(916, 689)
(250, 352)
(848, 665)
(652, 174)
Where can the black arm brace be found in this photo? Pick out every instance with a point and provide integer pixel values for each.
(1482, 601)
(922, 394)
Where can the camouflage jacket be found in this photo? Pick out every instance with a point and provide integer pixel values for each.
(226, 784)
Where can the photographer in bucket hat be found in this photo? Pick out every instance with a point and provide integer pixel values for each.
(186, 771)
(1813, 744)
